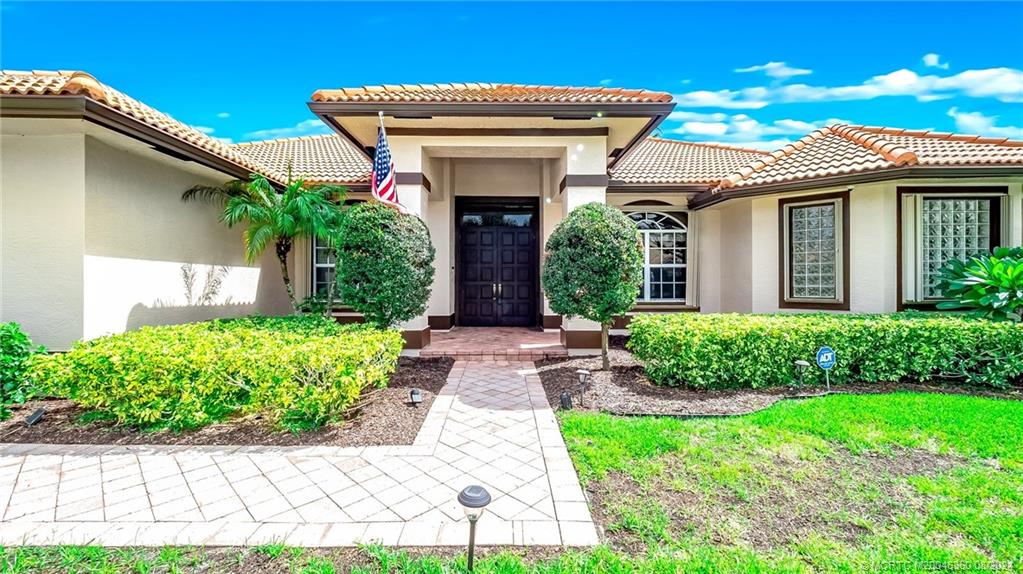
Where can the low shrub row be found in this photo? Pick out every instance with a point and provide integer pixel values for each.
(298, 371)
(730, 351)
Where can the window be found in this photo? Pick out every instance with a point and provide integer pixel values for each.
(939, 224)
(813, 242)
(664, 255)
(323, 267)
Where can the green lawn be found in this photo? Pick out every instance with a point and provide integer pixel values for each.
(849, 484)
(903, 482)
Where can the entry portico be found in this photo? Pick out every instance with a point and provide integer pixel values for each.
(492, 169)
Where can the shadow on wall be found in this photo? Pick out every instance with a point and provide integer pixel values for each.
(202, 300)
(142, 315)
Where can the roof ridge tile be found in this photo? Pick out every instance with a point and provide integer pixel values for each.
(733, 179)
(872, 140)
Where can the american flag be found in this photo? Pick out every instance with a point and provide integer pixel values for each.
(382, 184)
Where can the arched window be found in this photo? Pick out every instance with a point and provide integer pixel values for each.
(664, 255)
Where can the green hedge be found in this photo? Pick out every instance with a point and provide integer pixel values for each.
(297, 371)
(16, 352)
(733, 351)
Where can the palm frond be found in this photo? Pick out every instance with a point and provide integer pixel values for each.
(214, 194)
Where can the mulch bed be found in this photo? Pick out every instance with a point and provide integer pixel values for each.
(626, 390)
(385, 419)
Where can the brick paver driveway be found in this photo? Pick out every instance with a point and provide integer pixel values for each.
(491, 425)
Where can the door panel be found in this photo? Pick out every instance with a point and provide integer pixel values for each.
(497, 267)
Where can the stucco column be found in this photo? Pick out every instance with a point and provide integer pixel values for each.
(414, 198)
(577, 333)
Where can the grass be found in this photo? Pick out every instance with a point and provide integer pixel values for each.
(903, 482)
(842, 484)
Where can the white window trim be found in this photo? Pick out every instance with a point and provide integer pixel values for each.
(839, 297)
(690, 264)
(912, 242)
(315, 265)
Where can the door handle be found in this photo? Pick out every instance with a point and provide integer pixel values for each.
(493, 290)
(500, 290)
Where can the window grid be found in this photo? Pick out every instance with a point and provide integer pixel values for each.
(323, 267)
(664, 256)
(813, 258)
(951, 228)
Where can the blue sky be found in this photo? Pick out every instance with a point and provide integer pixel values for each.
(757, 74)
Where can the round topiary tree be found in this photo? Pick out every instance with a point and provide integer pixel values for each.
(384, 263)
(593, 266)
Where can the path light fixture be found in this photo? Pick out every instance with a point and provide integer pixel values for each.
(415, 396)
(566, 401)
(585, 380)
(801, 367)
(474, 500)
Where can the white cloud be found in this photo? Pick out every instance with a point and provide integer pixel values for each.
(744, 131)
(224, 115)
(204, 129)
(684, 116)
(1003, 84)
(302, 128)
(606, 82)
(978, 123)
(704, 128)
(777, 70)
(933, 60)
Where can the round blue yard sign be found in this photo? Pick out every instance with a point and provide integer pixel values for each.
(826, 358)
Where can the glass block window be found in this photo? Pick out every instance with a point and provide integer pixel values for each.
(664, 256)
(952, 228)
(813, 251)
(323, 267)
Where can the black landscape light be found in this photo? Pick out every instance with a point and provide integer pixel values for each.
(34, 417)
(801, 367)
(474, 500)
(566, 401)
(415, 396)
(585, 380)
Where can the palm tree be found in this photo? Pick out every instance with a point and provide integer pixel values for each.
(278, 217)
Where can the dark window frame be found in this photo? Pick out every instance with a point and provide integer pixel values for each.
(785, 278)
(997, 194)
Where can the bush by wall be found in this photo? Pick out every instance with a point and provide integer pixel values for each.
(297, 371)
(731, 351)
(384, 264)
(16, 350)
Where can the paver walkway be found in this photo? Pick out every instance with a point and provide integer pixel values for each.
(490, 425)
(495, 343)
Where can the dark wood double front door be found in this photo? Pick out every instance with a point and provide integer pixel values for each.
(497, 262)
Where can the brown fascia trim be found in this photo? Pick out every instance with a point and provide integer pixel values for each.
(657, 111)
(583, 180)
(707, 199)
(511, 132)
(81, 107)
(619, 186)
(412, 178)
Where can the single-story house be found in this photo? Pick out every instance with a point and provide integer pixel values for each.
(95, 239)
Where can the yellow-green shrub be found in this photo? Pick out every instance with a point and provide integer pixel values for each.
(730, 351)
(301, 371)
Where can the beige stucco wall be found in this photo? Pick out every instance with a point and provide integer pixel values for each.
(748, 235)
(95, 237)
(42, 185)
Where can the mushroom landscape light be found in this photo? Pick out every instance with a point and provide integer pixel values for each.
(474, 500)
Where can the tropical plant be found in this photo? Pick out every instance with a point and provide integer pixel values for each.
(16, 351)
(593, 267)
(277, 217)
(384, 264)
(987, 284)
